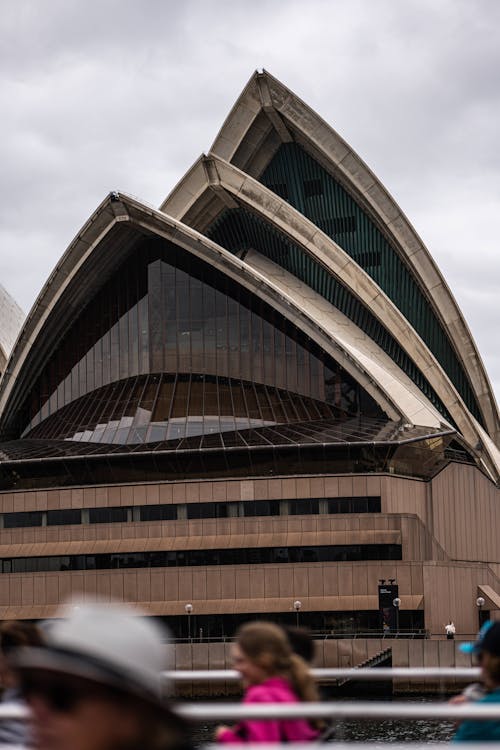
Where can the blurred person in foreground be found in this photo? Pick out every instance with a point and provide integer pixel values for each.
(301, 641)
(96, 684)
(14, 635)
(271, 673)
(487, 651)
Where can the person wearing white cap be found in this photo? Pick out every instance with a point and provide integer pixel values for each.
(95, 685)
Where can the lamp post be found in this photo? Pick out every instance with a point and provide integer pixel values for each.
(397, 603)
(480, 602)
(189, 609)
(297, 607)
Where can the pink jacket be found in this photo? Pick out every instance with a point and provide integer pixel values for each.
(273, 690)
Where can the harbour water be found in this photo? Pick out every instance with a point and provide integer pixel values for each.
(377, 731)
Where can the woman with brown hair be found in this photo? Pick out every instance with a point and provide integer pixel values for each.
(271, 673)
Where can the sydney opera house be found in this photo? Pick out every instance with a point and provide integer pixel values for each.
(261, 393)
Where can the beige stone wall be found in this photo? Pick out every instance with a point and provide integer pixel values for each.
(411, 511)
(466, 514)
(450, 592)
(278, 531)
(391, 488)
(229, 588)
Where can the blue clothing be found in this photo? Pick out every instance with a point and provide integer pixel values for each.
(480, 731)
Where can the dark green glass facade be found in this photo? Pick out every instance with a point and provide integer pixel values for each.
(296, 176)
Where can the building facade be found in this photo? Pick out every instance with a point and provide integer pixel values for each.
(261, 393)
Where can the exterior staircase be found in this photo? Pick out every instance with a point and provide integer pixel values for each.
(381, 658)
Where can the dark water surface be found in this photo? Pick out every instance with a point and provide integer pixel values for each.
(377, 731)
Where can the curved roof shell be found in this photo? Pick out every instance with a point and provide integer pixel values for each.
(377, 345)
(268, 115)
(94, 254)
(213, 186)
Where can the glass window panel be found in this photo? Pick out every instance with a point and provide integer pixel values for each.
(107, 515)
(65, 517)
(180, 403)
(234, 337)
(133, 341)
(196, 397)
(23, 519)
(158, 512)
(204, 557)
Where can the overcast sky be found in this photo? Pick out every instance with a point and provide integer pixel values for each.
(100, 95)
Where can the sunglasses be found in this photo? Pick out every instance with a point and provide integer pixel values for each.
(61, 693)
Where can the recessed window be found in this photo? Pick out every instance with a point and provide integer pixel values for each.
(158, 512)
(337, 226)
(107, 515)
(170, 512)
(64, 517)
(21, 520)
(312, 188)
(226, 556)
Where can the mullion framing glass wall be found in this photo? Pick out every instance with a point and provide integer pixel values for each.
(154, 408)
(167, 312)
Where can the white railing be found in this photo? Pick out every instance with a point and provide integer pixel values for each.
(334, 710)
(359, 710)
(374, 745)
(371, 674)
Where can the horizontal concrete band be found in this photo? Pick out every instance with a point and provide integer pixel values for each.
(227, 606)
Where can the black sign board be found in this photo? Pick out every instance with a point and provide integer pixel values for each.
(388, 615)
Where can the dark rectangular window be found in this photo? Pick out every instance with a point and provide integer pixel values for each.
(63, 517)
(249, 508)
(158, 512)
(20, 520)
(206, 510)
(107, 515)
(354, 505)
(338, 225)
(303, 507)
(245, 556)
(344, 224)
(312, 187)
(261, 508)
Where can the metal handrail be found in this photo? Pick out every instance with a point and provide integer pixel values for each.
(370, 674)
(325, 635)
(360, 710)
(360, 745)
(334, 710)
